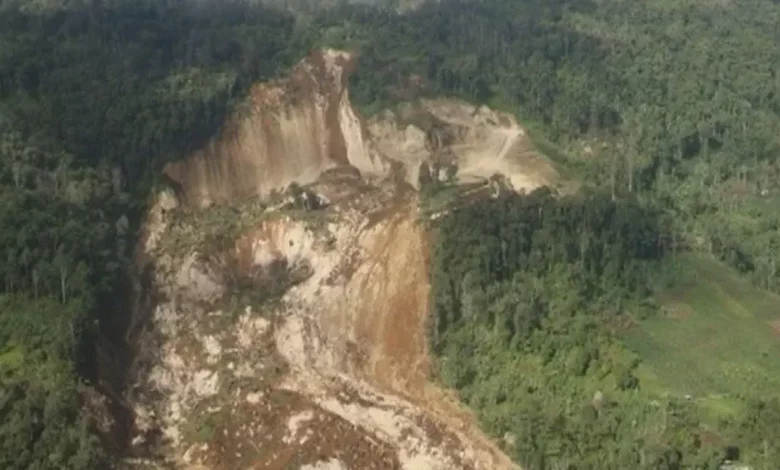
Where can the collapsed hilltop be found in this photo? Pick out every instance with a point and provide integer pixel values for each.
(281, 320)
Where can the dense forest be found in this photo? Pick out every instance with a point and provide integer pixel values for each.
(674, 101)
(668, 109)
(94, 97)
(530, 293)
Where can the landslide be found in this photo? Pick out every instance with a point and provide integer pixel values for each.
(281, 318)
(289, 130)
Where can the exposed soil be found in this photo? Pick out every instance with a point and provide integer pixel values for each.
(294, 433)
(775, 325)
(393, 316)
(335, 373)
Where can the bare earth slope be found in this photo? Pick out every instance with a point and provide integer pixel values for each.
(289, 130)
(333, 372)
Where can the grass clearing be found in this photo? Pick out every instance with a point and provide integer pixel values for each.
(11, 359)
(715, 342)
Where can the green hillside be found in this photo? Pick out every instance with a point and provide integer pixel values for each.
(667, 112)
(717, 339)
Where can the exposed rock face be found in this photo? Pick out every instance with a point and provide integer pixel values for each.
(293, 129)
(301, 343)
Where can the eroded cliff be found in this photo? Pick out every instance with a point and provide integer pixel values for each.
(284, 325)
(288, 130)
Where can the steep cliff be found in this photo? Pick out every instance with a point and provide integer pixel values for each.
(282, 326)
(289, 130)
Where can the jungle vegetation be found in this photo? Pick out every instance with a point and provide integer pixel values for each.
(668, 111)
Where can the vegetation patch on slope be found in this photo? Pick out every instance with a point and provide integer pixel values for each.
(716, 338)
(530, 296)
(38, 387)
(94, 98)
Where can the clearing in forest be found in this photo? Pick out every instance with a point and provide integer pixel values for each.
(716, 339)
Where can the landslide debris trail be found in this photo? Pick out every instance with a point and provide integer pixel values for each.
(334, 373)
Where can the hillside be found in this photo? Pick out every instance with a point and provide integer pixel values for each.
(716, 341)
(440, 233)
(292, 277)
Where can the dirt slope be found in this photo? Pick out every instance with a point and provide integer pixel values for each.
(301, 344)
(289, 130)
(479, 141)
